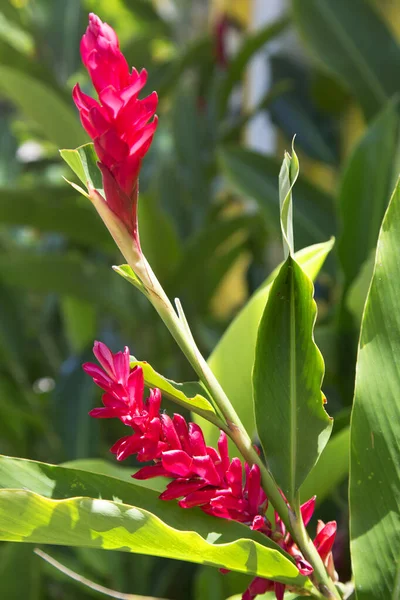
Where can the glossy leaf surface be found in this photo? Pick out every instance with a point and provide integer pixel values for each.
(291, 421)
(233, 357)
(375, 426)
(63, 506)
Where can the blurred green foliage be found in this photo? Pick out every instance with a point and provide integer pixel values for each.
(208, 221)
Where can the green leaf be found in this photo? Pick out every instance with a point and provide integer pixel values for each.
(83, 161)
(375, 426)
(190, 395)
(128, 273)
(291, 421)
(330, 470)
(40, 103)
(56, 505)
(252, 44)
(364, 191)
(336, 33)
(256, 176)
(232, 359)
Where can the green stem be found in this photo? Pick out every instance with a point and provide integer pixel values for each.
(236, 430)
(326, 585)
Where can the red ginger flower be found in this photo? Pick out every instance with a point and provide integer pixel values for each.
(119, 124)
(201, 475)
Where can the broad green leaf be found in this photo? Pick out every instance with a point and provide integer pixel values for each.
(375, 426)
(364, 191)
(252, 44)
(339, 34)
(68, 275)
(291, 421)
(41, 104)
(83, 162)
(233, 357)
(56, 209)
(330, 470)
(48, 504)
(190, 395)
(256, 175)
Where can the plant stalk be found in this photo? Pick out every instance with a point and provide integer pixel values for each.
(236, 430)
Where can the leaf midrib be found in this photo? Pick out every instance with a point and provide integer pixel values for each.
(330, 18)
(293, 390)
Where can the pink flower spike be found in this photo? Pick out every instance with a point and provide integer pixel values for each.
(121, 126)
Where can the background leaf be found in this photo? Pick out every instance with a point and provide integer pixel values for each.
(339, 35)
(38, 102)
(364, 191)
(335, 460)
(256, 175)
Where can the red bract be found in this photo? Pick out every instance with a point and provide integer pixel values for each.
(119, 124)
(201, 475)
